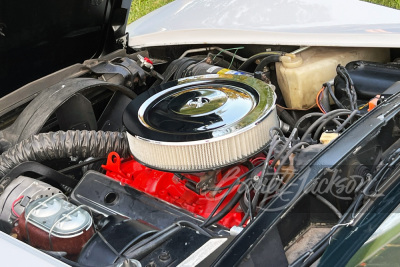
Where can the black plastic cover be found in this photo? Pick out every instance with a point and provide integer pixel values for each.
(392, 90)
(370, 78)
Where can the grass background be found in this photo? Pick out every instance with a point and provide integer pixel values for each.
(140, 8)
(388, 3)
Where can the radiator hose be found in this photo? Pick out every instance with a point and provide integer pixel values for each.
(59, 145)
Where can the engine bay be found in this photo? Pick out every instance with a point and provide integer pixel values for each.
(152, 157)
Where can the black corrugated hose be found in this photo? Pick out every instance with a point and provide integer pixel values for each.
(59, 145)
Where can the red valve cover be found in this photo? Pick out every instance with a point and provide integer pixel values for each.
(168, 187)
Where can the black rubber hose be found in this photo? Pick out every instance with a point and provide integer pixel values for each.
(252, 59)
(286, 117)
(59, 145)
(174, 67)
(266, 61)
(332, 94)
(139, 252)
(228, 207)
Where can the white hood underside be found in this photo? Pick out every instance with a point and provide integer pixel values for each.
(285, 22)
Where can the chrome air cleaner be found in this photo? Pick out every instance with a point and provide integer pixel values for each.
(200, 123)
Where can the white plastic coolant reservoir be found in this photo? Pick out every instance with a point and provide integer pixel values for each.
(301, 77)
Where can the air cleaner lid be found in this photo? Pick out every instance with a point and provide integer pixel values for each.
(199, 108)
(200, 123)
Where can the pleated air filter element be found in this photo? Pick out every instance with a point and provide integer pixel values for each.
(200, 123)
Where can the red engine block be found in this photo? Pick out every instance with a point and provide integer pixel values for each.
(168, 187)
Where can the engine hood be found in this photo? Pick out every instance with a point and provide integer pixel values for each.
(285, 22)
(38, 38)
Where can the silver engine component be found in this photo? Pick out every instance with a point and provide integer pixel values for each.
(201, 123)
(52, 223)
(18, 194)
(58, 217)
